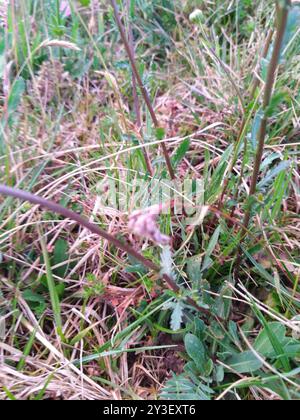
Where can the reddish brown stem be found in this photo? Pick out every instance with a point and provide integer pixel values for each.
(135, 95)
(140, 83)
(68, 214)
(282, 16)
(255, 84)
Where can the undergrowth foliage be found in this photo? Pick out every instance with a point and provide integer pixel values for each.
(106, 107)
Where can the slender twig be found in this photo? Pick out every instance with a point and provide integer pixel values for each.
(135, 95)
(68, 214)
(282, 16)
(255, 85)
(136, 100)
(140, 83)
(242, 132)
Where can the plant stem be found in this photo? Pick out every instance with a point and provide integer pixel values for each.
(52, 289)
(140, 83)
(58, 12)
(282, 16)
(242, 132)
(136, 101)
(134, 83)
(68, 214)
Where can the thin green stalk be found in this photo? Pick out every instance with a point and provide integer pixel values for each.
(58, 12)
(9, 394)
(140, 83)
(282, 17)
(27, 350)
(55, 303)
(295, 288)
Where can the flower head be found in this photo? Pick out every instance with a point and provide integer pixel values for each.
(65, 8)
(3, 13)
(143, 223)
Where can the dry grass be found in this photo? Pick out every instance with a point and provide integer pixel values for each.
(74, 127)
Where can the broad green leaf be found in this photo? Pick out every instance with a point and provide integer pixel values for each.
(223, 302)
(60, 255)
(220, 374)
(269, 160)
(195, 349)
(292, 350)
(275, 340)
(245, 362)
(233, 331)
(194, 269)
(281, 186)
(263, 344)
(281, 167)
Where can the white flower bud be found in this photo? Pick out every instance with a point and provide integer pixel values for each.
(197, 16)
